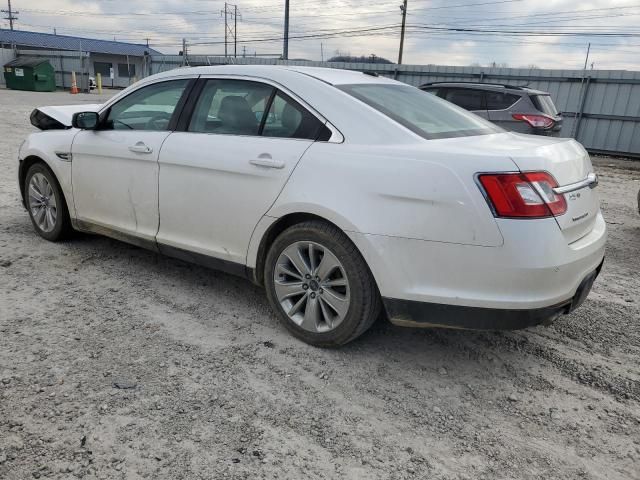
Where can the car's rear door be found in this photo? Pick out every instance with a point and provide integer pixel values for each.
(222, 172)
(115, 168)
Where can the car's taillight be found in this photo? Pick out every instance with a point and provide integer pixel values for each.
(523, 195)
(536, 121)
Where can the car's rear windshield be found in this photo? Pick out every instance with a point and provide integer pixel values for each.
(544, 104)
(421, 112)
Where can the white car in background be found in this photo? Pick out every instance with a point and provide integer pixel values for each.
(343, 193)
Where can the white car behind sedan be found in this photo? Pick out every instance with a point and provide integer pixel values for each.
(343, 193)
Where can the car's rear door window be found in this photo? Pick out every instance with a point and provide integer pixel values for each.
(467, 98)
(422, 113)
(500, 100)
(288, 119)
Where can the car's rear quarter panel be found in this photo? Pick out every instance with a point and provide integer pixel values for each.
(421, 190)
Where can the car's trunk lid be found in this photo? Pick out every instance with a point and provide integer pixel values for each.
(570, 165)
(565, 159)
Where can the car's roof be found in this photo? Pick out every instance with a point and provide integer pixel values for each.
(486, 86)
(331, 76)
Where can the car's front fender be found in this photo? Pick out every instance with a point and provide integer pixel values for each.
(53, 147)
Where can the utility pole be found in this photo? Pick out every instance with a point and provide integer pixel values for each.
(403, 8)
(230, 31)
(321, 52)
(226, 29)
(581, 97)
(185, 60)
(586, 60)
(10, 14)
(285, 48)
(244, 51)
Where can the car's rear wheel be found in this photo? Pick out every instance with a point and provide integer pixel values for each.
(319, 285)
(46, 204)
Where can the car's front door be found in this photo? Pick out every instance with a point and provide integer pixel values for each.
(115, 168)
(221, 175)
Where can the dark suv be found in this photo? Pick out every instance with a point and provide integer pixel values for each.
(519, 109)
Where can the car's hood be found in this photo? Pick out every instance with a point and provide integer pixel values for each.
(57, 117)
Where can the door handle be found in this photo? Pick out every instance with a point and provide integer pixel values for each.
(140, 147)
(265, 160)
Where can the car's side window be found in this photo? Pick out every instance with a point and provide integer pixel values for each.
(149, 108)
(467, 98)
(232, 107)
(288, 119)
(500, 100)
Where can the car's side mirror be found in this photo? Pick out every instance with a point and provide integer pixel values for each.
(85, 120)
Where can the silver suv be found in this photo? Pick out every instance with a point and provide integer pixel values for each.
(520, 109)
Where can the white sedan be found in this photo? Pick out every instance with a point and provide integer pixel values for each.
(345, 194)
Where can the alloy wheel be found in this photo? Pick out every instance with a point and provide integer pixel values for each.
(42, 202)
(311, 286)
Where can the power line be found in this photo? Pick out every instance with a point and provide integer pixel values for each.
(526, 32)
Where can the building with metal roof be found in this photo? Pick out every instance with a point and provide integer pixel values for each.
(50, 41)
(119, 63)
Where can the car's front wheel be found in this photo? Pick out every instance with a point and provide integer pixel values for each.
(46, 204)
(319, 285)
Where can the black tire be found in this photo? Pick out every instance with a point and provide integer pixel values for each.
(365, 304)
(62, 228)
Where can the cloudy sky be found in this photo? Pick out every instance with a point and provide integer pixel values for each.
(517, 33)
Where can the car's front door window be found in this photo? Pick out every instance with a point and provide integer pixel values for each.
(232, 107)
(149, 108)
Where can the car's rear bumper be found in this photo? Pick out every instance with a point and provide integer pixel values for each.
(407, 313)
(533, 276)
(546, 133)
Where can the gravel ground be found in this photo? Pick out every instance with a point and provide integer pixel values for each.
(119, 363)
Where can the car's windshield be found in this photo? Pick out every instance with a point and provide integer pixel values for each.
(423, 113)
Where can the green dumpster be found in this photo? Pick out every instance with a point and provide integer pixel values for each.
(33, 74)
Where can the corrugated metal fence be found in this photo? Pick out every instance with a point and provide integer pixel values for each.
(601, 108)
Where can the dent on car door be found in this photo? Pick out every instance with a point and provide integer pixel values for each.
(221, 174)
(115, 168)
